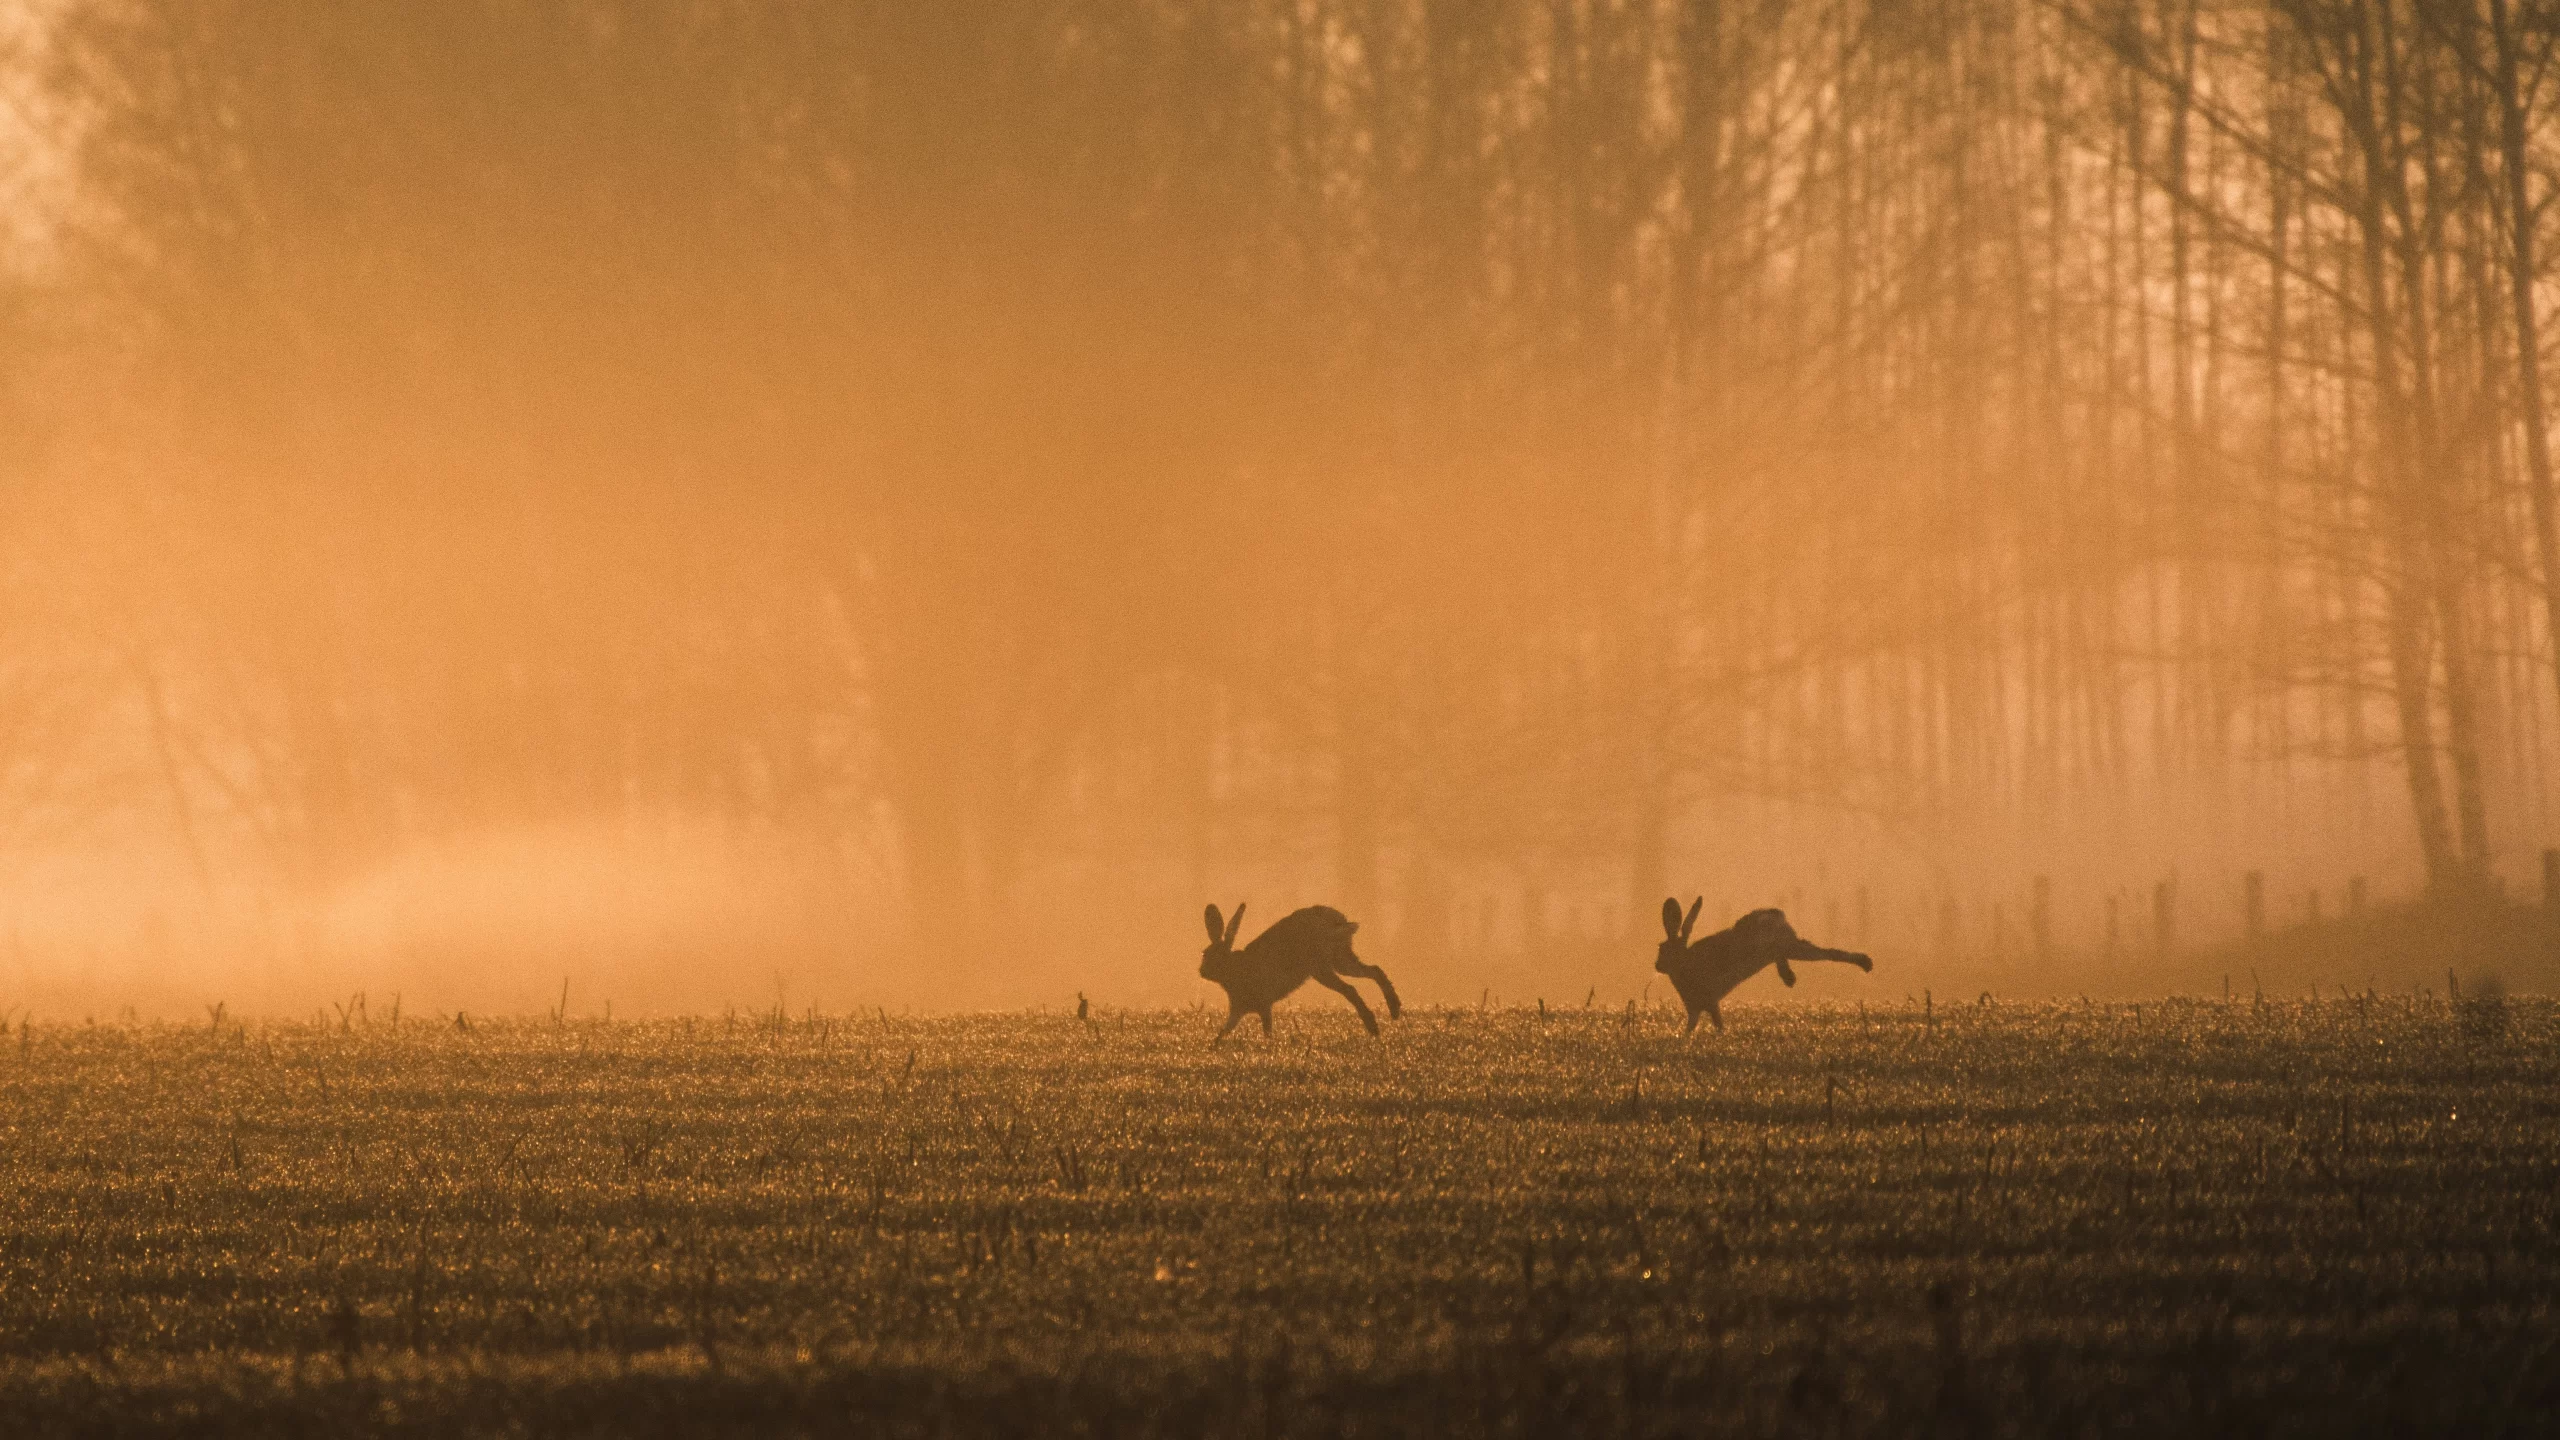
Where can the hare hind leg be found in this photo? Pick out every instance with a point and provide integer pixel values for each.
(1265, 1014)
(1805, 951)
(1386, 987)
(1342, 987)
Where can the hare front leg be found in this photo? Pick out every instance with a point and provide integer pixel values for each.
(1236, 1012)
(1342, 987)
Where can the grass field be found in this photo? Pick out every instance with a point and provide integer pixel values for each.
(2191, 1216)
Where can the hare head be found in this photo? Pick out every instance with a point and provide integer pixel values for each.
(1222, 941)
(1675, 931)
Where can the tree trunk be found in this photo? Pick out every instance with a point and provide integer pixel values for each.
(2522, 270)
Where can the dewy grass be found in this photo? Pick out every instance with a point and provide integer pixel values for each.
(2255, 1217)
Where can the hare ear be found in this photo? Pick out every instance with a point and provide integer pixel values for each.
(1692, 922)
(1235, 923)
(1217, 925)
(1670, 919)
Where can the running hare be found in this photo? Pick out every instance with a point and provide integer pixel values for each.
(1705, 971)
(1310, 944)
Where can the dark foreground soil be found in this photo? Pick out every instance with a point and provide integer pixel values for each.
(2179, 1217)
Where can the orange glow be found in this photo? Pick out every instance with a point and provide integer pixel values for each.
(895, 503)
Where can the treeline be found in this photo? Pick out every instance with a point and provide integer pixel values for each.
(1405, 448)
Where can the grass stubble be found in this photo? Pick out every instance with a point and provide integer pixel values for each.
(2073, 1218)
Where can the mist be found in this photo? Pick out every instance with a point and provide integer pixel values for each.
(822, 503)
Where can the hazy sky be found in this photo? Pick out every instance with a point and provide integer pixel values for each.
(912, 501)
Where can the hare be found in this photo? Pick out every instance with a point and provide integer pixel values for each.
(1707, 970)
(1310, 944)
